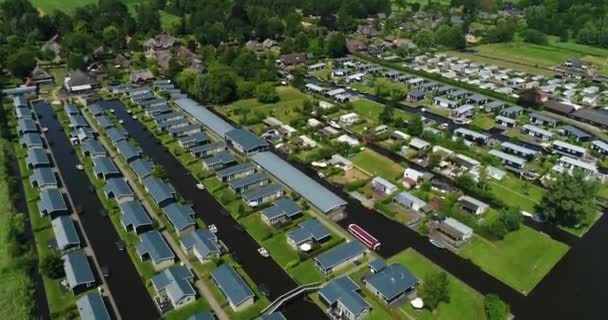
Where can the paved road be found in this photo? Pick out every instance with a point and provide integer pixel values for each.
(127, 288)
(261, 270)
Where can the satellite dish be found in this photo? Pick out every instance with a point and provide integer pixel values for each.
(305, 247)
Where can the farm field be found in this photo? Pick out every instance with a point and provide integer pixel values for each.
(521, 260)
(465, 303)
(535, 58)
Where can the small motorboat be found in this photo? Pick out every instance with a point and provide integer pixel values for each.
(80, 167)
(200, 186)
(263, 252)
(212, 228)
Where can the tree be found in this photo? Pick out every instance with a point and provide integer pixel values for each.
(266, 93)
(386, 116)
(148, 18)
(483, 181)
(495, 308)
(511, 218)
(415, 126)
(534, 36)
(435, 289)
(159, 171)
(450, 36)
(503, 31)
(424, 38)
(76, 61)
(434, 160)
(336, 45)
(52, 266)
(570, 200)
(21, 63)
(111, 38)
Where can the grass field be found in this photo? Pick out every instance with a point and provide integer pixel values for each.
(283, 110)
(371, 111)
(534, 58)
(521, 260)
(465, 303)
(517, 193)
(69, 6)
(484, 123)
(15, 299)
(377, 165)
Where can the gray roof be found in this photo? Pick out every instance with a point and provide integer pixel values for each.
(95, 109)
(84, 134)
(176, 283)
(407, 199)
(23, 112)
(181, 216)
(222, 158)
(142, 168)
(65, 232)
(19, 101)
(77, 121)
(104, 166)
(92, 307)
(118, 187)
(507, 157)
(51, 200)
(31, 139)
(245, 139)
(27, 125)
(153, 244)
(236, 169)
(344, 290)
(208, 146)
(71, 109)
(392, 280)
(201, 240)
(207, 315)
(104, 121)
(172, 124)
(600, 144)
(543, 118)
(512, 109)
(168, 116)
(576, 132)
(206, 117)
(538, 130)
(282, 207)
(277, 315)
(187, 128)
(416, 93)
(133, 214)
(339, 254)
(310, 229)
(77, 269)
(198, 137)
(116, 134)
(231, 284)
(159, 109)
(477, 98)
(158, 189)
(43, 177)
(312, 191)
(262, 192)
(37, 157)
(128, 150)
(93, 148)
(467, 132)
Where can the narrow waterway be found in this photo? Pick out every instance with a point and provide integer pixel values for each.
(261, 270)
(125, 284)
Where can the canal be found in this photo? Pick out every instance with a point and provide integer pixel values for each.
(125, 284)
(261, 270)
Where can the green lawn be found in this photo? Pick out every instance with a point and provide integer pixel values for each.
(484, 123)
(521, 260)
(280, 250)
(465, 303)
(184, 313)
(371, 111)
(377, 165)
(283, 110)
(306, 272)
(517, 193)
